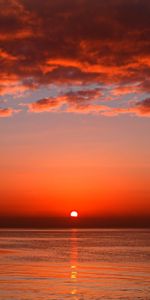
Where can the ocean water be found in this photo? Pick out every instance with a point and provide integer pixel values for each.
(75, 264)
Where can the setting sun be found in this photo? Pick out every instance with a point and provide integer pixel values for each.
(74, 214)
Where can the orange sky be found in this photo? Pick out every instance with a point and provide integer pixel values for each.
(97, 167)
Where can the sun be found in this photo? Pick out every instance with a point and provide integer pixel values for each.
(74, 214)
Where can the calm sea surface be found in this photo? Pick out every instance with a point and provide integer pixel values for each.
(74, 264)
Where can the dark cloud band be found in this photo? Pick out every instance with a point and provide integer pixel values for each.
(74, 42)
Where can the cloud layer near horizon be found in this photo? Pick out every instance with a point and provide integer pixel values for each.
(98, 50)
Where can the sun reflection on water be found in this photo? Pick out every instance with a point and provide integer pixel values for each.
(73, 265)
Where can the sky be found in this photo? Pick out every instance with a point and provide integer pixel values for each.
(75, 108)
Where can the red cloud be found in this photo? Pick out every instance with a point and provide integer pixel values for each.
(6, 112)
(47, 104)
(77, 42)
(88, 101)
(143, 107)
(75, 100)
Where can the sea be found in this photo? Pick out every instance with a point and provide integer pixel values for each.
(75, 264)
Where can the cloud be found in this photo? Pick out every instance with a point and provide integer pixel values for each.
(143, 107)
(47, 104)
(75, 100)
(89, 101)
(89, 109)
(6, 112)
(125, 90)
(65, 42)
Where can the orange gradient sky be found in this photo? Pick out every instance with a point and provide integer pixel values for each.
(97, 166)
(74, 108)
